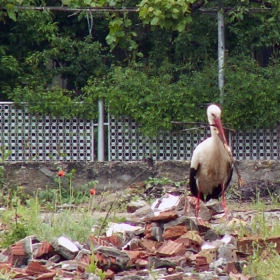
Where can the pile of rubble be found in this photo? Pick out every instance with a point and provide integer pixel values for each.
(161, 241)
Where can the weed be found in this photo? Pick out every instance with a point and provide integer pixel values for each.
(93, 268)
(264, 264)
(6, 275)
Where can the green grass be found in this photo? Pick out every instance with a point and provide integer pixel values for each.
(264, 266)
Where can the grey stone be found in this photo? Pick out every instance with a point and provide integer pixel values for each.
(190, 223)
(121, 258)
(154, 263)
(227, 252)
(143, 211)
(65, 247)
(211, 235)
(135, 205)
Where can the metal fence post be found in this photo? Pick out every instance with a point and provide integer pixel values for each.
(100, 152)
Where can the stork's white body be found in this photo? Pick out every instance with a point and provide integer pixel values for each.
(211, 164)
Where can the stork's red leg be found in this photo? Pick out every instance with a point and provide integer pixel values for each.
(224, 204)
(197, 204)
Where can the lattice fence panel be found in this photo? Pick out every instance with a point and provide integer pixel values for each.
(128, 144)
(26, 137)
(262, 144)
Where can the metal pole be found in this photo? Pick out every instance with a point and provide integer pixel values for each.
(100, 153)
(221, 50)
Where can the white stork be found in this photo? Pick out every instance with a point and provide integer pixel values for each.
(212, 163)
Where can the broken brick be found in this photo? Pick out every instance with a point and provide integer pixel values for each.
(111, 258)
(16, 254)
(191, 239)
(149, 245)
(45, 250)
(201, 263)
(162, 217)
(35, 268)
(110, 274)
(174, 232)
(174, 276)
(153, 232)
(140, 264)
(247, 244)
(171, 248)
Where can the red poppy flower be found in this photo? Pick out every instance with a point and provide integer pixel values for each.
(60, 173)
(92, 191)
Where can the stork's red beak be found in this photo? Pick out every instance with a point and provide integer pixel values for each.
(219, 126)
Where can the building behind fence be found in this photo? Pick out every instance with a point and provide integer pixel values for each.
(25, 137)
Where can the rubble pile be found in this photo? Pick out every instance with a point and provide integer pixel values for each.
(159, 241)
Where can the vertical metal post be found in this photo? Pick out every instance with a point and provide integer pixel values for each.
(221, 50)
(109, 137)
(100, 152)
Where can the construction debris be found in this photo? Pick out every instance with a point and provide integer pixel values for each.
(161, 241)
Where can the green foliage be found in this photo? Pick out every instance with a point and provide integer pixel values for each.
(16, 232)
(169, 14)
(252, 94)
(154, 101)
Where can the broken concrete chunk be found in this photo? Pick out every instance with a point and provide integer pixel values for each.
(155, 263)
(65, 247)
(121, 228)
(167, 202)
(143, 211)
(111, 258)
(211, 235)
(135, 205)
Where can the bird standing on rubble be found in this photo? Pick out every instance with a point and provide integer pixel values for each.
(212, 163)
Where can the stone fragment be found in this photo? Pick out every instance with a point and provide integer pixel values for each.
(170, 248)
(218, 265)
(141, 264)
(149, 245)
(111, 258)
(191, 240)
(227, 252)
(201, 263)
(135, 205)
(143, 211)
(215, 207)
(174, 276)
(153, 231)
(165, 203)
(132, 277)
(240, 276)
(211, 235)
(155, 262)
(247, 244)
(174, 232)
(36, 268)
(44, 250)
(46, 276)
(190, 223)
(209, 251)
(161, 216)
(16, 254)
(234, 267)
(115, 228)
(110, 274)
(65, 247)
